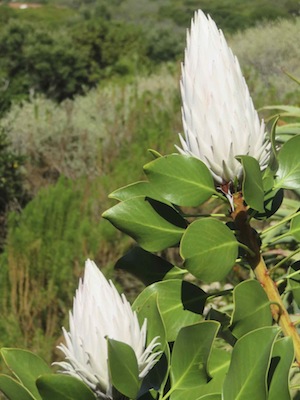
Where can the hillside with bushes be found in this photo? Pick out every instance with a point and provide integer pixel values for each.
(86, 90)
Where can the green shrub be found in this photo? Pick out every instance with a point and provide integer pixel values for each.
(61, 63)
(230, 15)
(265, 52)
(83, 137)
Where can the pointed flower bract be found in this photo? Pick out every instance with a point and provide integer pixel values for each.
(100, 312)
(219, 119)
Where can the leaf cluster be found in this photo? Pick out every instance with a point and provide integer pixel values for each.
(66, 61)
(154, 213)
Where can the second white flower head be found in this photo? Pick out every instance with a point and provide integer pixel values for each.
(100, 312)
(219, 119)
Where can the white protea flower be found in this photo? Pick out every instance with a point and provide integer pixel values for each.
(219, 119)
(99, 312)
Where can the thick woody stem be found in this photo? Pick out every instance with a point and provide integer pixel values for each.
(279, 313)
(248, 236)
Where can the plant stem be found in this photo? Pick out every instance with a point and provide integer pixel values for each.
(279, 313)
(246, 235)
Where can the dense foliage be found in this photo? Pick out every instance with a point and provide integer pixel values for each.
(65, 129)
(63, 51)
(66, 62)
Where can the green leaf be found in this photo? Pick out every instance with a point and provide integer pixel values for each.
(214, 396)
(291, 111)
(253, 191)
(190, 356)
(282, 359)
(142, 188)
(13, 390)
(246, 378)
(286, 132)
(155, 153)
(137, 218)
(295, 228)
(26, 366)
(155, 326)
(272, 197)
(218, 364)
(169, 299)
(251, 308)
(148, 267)
(209, 248)
(123, 367)
(63, 387)
(273, 164)
(288, 174)
(183, 180)
(272, 201)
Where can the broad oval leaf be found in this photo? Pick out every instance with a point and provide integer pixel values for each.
(282, 359)
(251, 308)
(155, 326)
(63, 387)
(246, 378)
(13, 390)
(253, 191)
(141, 188)
(288, 174)
(26, 366)
(183, 180)
(169, 299)
(218, 364)
(209, 249)
(123, 367)
(190, 357)
(138, 219)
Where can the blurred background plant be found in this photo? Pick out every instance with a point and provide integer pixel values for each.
(86, 87)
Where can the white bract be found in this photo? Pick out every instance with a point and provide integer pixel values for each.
(219, 119)
(99, 312)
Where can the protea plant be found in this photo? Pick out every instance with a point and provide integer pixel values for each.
(219, 119)
(99, 312)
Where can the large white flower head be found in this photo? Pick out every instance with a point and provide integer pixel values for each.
(219, 119)
(99, 312)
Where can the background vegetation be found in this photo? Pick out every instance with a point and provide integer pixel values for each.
(86, 89)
